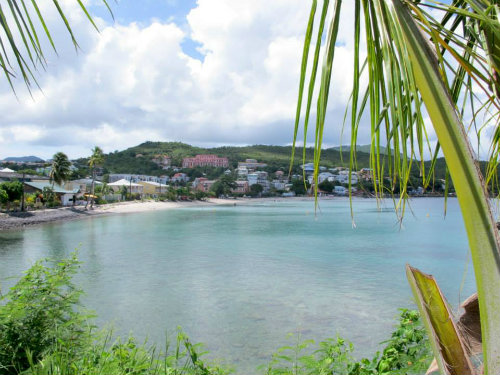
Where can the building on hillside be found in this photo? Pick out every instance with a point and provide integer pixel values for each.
(260, 178)
(179, 177)
(343, 177)
(251, 164)
(153, 188)
(323, 176)
(205, 161)
(280, 175)
(163, 161)
(7, 170)
(242, 172)
(66, 194)
(203, 184)
(132, 187)
(242, 187)
(365, 174)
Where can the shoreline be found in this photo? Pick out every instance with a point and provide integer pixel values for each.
(29, 219)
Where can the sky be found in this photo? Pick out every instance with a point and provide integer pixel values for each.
(204, 72)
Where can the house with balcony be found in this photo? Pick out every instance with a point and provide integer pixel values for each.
(242, 187)
(203, 184)
(153, 188)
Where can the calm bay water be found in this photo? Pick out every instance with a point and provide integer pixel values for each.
(239, 278)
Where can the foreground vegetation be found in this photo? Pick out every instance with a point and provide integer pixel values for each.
(45, 330)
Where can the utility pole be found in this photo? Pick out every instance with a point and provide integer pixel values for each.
(22, 199)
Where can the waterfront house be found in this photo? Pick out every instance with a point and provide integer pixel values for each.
(242, 187)
(132, 187)
(153, 188)
(340, 190)
(203, 184)
(67, 194)
(278, 184)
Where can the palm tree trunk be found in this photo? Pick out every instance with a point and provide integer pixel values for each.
(93, 189)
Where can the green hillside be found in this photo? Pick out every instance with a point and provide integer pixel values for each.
(137, 160)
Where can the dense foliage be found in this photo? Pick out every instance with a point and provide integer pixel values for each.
(13, 189)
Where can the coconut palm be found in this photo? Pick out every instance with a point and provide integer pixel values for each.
(418, 66)
(23, 24)
(60, 169)
(96, 160)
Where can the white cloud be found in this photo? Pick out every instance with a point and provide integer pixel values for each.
(132, 83)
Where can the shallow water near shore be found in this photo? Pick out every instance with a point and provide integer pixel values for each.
(239, 278)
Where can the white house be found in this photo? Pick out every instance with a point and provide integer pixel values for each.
(132, 187)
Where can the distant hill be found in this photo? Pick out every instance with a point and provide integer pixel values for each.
(361, 148)
(24, 159)
(138, 159)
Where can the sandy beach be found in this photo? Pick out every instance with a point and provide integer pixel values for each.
(14, 220)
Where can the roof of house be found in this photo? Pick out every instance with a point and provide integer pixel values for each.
(87, 181)
(123, 182)
(40, 185)
(7, 170)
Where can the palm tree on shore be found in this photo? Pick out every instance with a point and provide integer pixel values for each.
(96, 160)
(418, 66)
(60, 169)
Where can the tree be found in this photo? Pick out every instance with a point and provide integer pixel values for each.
(299, 188)
(224, 186)
(414, 60)
(96, 160)
(60, 169)
(4, 197)
(327, 186)
(256, 189)
(13, 189)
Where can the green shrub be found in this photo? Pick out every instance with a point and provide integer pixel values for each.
(406, 352)
(43, 332)
(38, 314)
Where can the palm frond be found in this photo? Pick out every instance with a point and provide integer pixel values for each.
(21, 53)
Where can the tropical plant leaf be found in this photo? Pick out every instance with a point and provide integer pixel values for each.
(449, 350)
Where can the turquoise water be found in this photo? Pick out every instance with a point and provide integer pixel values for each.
(239, 278)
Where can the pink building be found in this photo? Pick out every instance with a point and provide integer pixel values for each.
(205, 161)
